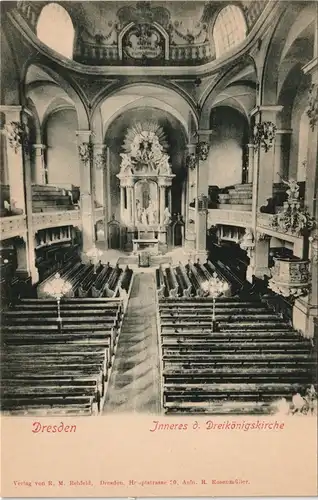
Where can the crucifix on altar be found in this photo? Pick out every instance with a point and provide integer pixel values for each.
(145, 183)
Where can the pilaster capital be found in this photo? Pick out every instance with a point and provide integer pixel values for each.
(99, 147)
(83, 136)
(269, 110)
(38, 148)
(284, 131)
(12, 113)
(205, 134)
(191, 148)
(202, 150)
(311, 68)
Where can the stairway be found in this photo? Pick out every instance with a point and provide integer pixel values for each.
(134, 382)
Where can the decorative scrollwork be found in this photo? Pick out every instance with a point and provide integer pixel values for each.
(202, 150)
(99, 160)
(264, 135)
(312, 111)
(17, 136)
(191, 161)
(85, 152)
(294, 217)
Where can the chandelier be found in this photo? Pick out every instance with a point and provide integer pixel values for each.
(94, 255)
(214, 287)
(57, 287)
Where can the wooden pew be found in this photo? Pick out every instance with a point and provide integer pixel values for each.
(50, 406)
(160, 282)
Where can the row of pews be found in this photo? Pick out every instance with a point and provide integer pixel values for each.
(186, 281)
(253, 360)
(89, 280)
(49, 369)
(52, 367)
(48, 198)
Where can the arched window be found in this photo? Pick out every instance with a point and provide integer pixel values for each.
(229, 29)
(55, 29)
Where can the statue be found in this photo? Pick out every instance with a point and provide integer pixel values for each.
(293, 189)
(151, 214)
(138, 211)
(166, 216)
(144, 218)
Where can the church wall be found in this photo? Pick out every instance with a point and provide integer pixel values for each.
(114, 184)
(299, 121)
(9, 84)
(62, 154)
(225, 157)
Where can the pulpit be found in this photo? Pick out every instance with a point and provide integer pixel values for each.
(145, 181)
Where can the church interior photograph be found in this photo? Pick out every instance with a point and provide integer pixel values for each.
(159, 213)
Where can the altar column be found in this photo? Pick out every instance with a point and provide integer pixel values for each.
(169, 200)
(122, 204)
(130, 208)
(85, 156)
(162, 199)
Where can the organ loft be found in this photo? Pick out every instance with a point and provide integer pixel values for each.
(158, 175)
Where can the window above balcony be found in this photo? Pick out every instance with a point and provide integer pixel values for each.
(60, 35)
(229, 29)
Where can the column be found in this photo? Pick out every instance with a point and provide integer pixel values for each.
(122, 203)
(202, 150)
(129, 204)
(85, 158)
(15, 137)
(162, 196)
(306, 308)
(250, 163)
(281, 155)
(259, 259)
(98, 177)
(133, 205)
(30, 241)
(266, 119)
(170, 200)
(191, 163)
(39, 176)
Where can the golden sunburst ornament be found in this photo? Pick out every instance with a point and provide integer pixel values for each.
(142, 134)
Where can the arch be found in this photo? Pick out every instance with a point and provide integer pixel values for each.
(292, 22)
(70, 88)
(229, 29)
(145, 103)
(177, 98)
(60, 39)
(221, 86)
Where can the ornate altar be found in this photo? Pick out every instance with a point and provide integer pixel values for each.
(145, 181)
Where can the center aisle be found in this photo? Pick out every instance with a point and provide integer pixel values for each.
(134, 385)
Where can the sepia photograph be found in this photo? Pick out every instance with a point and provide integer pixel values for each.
(159, 217)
